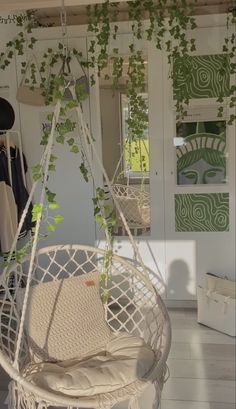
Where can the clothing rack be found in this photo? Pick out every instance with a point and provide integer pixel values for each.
(7, 136)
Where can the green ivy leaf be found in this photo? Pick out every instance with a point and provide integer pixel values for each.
(58, 219)
(50, 227)
(52, 167)
(70, 141)
(75, 149)
(53, 206)
(36, 211)
(50, 196)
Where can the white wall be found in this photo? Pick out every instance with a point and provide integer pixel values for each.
(74, 195)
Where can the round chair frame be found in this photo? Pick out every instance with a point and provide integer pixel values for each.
(133, 306)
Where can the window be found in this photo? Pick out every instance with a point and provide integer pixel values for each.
(135, 153)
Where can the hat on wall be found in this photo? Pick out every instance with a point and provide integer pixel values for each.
(7, 115)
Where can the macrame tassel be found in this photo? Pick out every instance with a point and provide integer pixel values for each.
(10, 398)
(134, 403)
(42, 405)
(157, 399)
(18, 399)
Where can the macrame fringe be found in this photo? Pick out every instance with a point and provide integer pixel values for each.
(157, 399)
(133, 403)
(18, 399)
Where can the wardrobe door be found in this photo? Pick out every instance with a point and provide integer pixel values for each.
(199, 168)
(113, 107)
(73, 194)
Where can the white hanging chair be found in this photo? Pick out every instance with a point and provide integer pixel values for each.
(60, 345)
(135, 205)
(66, 320)
(134, 201)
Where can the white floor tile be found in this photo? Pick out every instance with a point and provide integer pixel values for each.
(173, 404)
(199, 390)
(202, 335)
(212, 351)
(202, 369)
(180, 350)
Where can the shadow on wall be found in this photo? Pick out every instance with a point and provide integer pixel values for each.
(179, 280)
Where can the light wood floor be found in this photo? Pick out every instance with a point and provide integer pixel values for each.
(202, 368)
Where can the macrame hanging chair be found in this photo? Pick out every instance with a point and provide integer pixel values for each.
(60, 344)
(134, 201)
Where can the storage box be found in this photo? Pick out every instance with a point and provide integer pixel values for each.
(221, 286)
(216, 311)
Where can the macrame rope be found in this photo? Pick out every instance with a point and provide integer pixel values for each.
(87, 151)
(133, 403)
(37, 227)
(119, 163)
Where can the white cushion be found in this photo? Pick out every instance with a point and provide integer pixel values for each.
(124, 360)
(65, 318)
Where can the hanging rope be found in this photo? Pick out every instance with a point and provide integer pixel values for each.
(119, 163)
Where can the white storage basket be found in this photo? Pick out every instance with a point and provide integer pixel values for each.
(221, 286)
(216, 311)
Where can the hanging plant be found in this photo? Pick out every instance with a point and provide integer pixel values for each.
(22, 42)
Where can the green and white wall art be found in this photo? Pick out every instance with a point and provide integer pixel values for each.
(202, 76)
(202, 212)
(200, 156)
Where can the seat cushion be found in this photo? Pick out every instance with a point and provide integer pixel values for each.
(124, 360)
(65, 318)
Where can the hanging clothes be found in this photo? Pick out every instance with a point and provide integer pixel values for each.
(13, 198)
(8, 209)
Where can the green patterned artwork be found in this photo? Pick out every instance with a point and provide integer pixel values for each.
(202, 212)
(203, 76)
(200, 152)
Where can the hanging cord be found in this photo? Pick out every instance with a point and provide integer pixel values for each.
(118, 165)
(87, 151)
(63, 16)
(36, 234)
(9, 157)
(88, 139)
(141, 166)
(65, 39)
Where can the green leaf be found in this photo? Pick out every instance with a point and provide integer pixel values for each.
(51, 196)
(53, 158)
(50, 227)
(70, 141)
(58, 219)
(53, 206)
(52, 167)
(36, 211)
(99, 218)
(75, 149)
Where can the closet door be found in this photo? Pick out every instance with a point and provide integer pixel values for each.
(151, 243)
(73, 194)
(199, 171)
